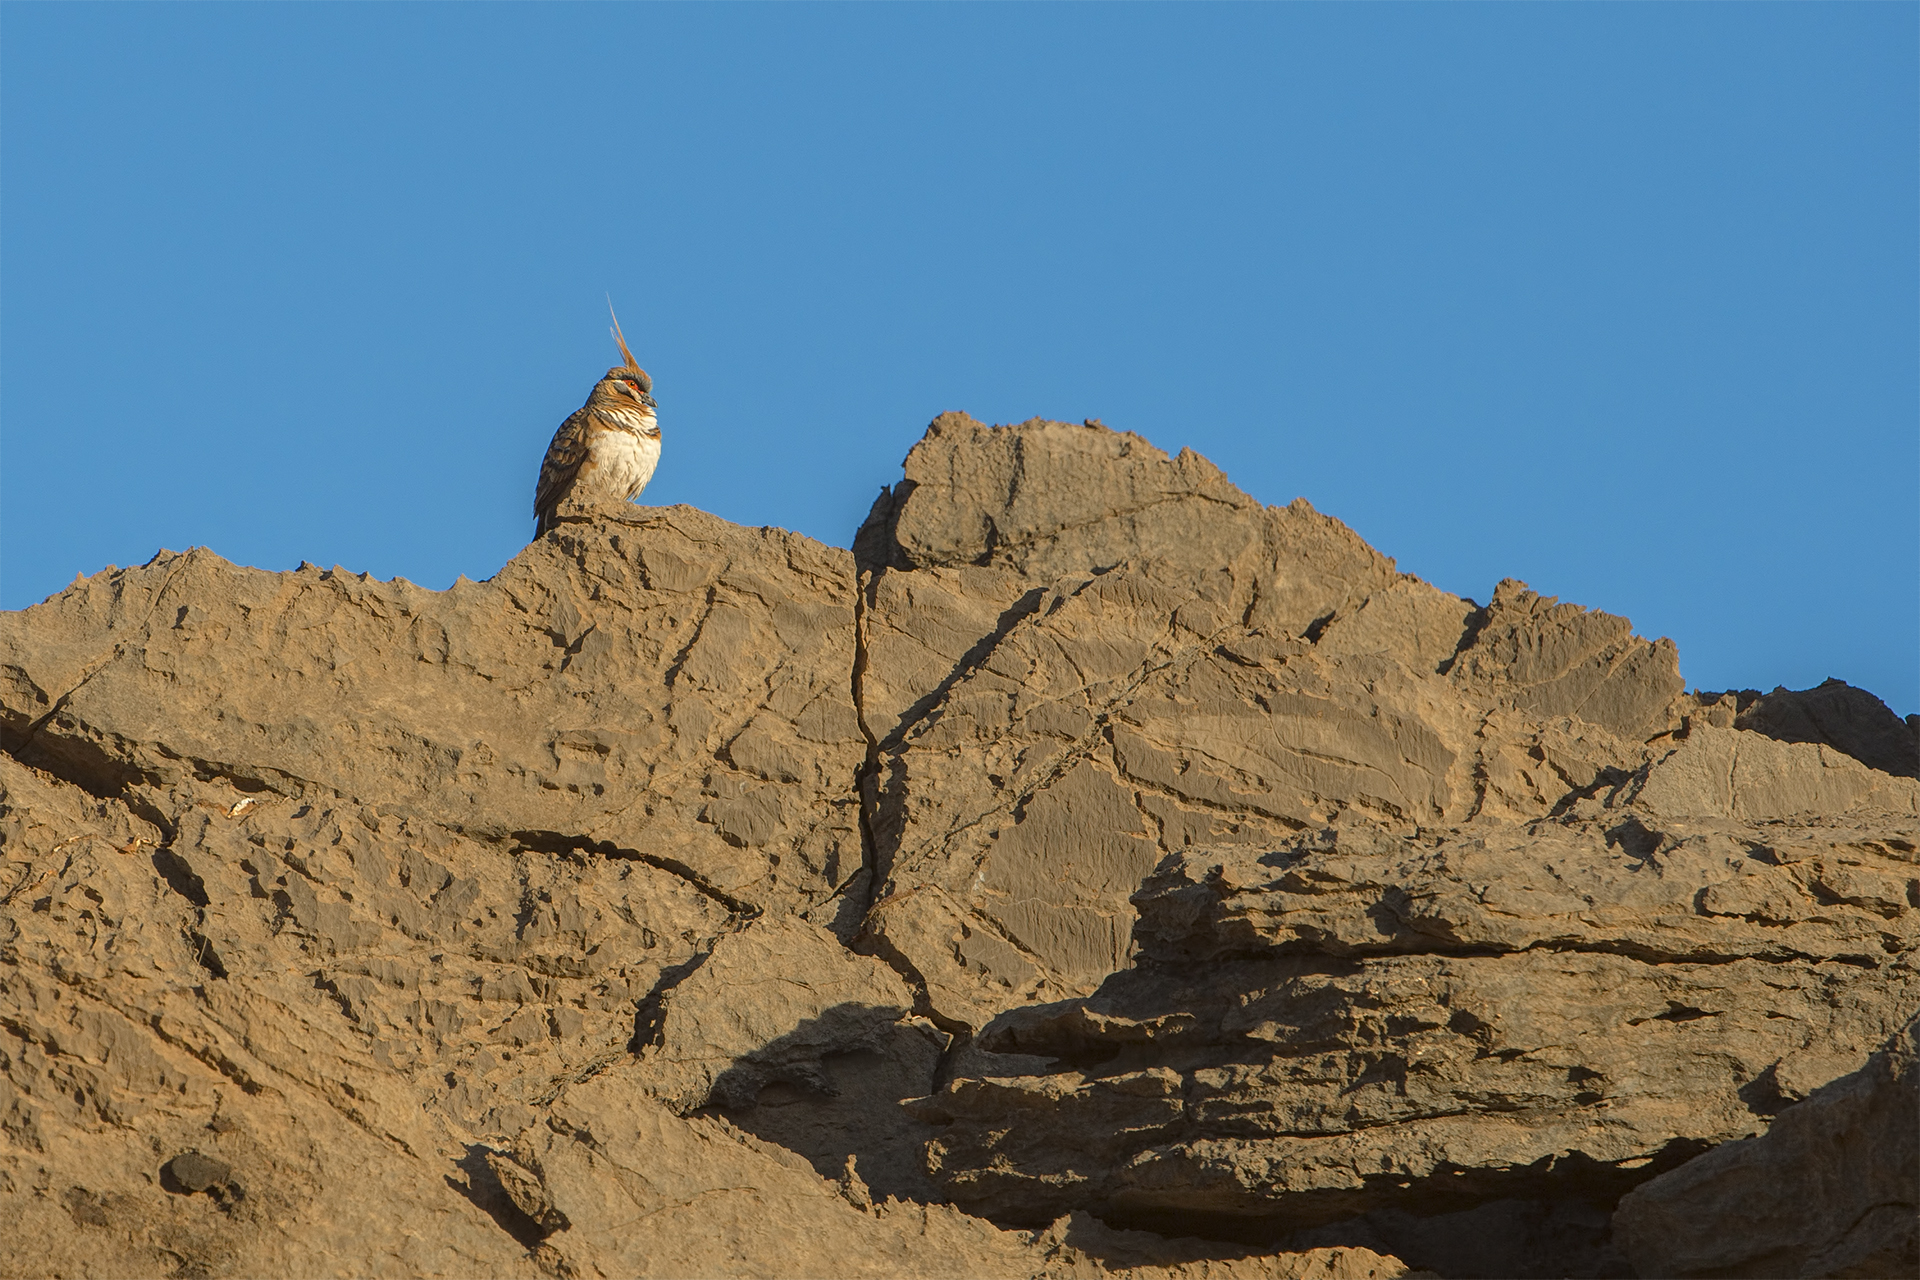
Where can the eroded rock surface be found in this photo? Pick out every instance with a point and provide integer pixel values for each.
(1095, 872)
(1829, 1190)
(1363, 1026)
(1835, 713)
(1061, 699)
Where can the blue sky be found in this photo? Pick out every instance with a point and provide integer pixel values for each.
(1620, 300)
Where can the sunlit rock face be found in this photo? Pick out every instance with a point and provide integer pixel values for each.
(1092, 870)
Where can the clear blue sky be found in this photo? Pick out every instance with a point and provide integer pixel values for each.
(1618, 299)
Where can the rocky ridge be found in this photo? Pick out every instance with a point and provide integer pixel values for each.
(1093, 870)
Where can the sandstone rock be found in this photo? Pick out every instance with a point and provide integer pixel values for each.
(764, 1005)
(622, 1187)
(1832, 1189)
(368, 873)
(665, 685)
(1835, 714)
(136, 1022)
(1557, 659)
(635, 1190)
(1842, 717)
(190, 1171)
(1059, 698)
(1733, 773)
(799, 1041)
(1226, 902)
(1048, 498)
(1364, 1030)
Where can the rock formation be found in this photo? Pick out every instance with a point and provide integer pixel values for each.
(1828, 1190)
(1094, 871)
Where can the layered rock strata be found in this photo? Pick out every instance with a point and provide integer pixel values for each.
(1362, 1032)
(1091, 840)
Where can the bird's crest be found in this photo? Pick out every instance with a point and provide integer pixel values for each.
(621, 338)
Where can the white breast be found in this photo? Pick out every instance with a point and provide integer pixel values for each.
(623, 463)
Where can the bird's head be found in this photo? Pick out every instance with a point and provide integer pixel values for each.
(626, 386)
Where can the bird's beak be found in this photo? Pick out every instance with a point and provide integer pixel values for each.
(647, 400)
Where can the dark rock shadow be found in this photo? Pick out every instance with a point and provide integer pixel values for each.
(1120, 1248)
(482, 1188)
(1510, 1239)
(650, 1014)
(832, 1088)
(876, 545)
(1837, 715)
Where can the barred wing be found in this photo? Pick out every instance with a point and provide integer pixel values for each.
(561, 465)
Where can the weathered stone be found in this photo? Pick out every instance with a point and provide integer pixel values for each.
(1842, 717)
(590, 696)
(381, 866)
(1554, 659)
(1832, 1189)
(1081, 1247)
(1050, 498)
(190, 1171)
(1369, 1029)
(1733, 773)
(1187, 668)
(799, 1041)
(636, 1190)
(1180, 860)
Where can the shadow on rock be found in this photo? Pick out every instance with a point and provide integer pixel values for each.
(484, 1190)
(832, 1088)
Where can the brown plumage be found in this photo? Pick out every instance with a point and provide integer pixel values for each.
(607, 449)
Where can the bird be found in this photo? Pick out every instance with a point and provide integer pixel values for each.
(607, 449)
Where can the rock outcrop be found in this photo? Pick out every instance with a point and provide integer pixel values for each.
(1095, 871)
(1829, 1190)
